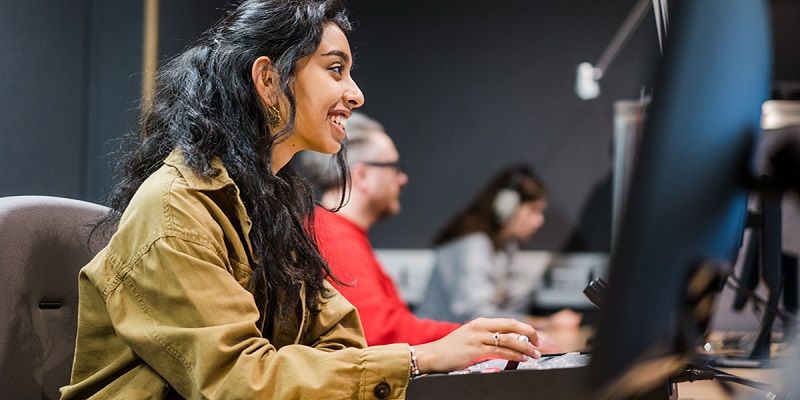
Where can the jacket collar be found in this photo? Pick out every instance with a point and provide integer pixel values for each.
(177, 160)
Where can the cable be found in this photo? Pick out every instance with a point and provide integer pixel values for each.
(705, 373)
(719, 374)
(736, 284)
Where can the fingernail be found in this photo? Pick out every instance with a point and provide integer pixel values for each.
(525, 358)
(537, 354)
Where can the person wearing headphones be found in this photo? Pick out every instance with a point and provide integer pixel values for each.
(474, 273)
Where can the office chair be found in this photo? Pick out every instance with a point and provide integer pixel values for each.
(44, 241)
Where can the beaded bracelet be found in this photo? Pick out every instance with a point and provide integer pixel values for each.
(414, 365)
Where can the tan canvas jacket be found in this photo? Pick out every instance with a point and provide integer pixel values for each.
(164, 312)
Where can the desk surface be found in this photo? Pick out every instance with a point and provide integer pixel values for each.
(711, 390)
(575, 340)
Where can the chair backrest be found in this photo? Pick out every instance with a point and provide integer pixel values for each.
(44, 241)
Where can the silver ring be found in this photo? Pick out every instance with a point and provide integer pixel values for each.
(496, 338)
(523, 338)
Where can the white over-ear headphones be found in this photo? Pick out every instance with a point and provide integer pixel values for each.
(505, 203)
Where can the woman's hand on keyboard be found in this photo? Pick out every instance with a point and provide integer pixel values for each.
(479, 339)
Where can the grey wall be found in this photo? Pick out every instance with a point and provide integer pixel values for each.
(70, 86)
(69, 82)
(114, 87)
(468, 87)
(465, 88)
(786, 35)
(44, 69)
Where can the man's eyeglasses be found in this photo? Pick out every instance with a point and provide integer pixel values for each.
(396, 165)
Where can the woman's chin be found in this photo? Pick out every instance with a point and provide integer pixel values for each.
(329, 148)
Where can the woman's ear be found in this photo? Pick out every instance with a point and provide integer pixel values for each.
(266, 80)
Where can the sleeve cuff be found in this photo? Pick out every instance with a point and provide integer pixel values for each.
(386, 371)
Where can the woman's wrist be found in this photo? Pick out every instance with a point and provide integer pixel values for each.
(423, 358)
(414, 365)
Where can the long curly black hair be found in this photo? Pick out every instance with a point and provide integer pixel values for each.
(206, 105)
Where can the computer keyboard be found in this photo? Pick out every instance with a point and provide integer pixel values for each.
(552, 377)
(566, 360)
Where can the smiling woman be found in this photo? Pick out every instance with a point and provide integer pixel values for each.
(325, 94)
(211, 285)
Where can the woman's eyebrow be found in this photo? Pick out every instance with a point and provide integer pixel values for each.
(344, 56)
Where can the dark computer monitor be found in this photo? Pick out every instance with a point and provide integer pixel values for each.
(687, 202)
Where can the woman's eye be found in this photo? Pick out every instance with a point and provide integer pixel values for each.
(338, 69)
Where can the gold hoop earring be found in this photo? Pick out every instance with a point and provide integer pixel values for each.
(273, 116)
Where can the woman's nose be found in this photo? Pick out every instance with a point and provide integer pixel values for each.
(353, 95)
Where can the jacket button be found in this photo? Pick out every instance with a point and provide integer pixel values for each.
(382, 390)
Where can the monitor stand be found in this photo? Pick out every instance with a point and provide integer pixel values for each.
(764, 260)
